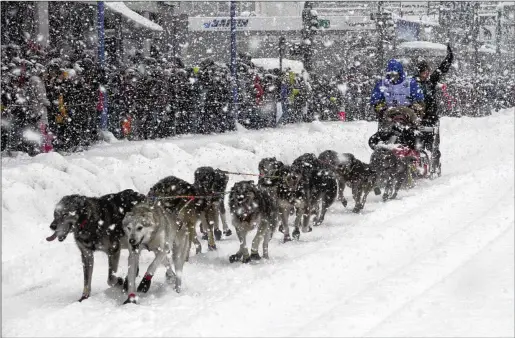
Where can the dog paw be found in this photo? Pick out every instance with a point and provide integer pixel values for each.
(356, 210)
(178, 288)
(170, 278)
(211, 247)
(218, 234)
(198, 249)
(296, 234)
(114, 281)
(344, 202)
(385, 197)
(145, 283)
(132, 299)
(255, 256)
(234, 258)
(228, 233)
(266, 256)
(245, 259)
(287, 238)
(84, 297)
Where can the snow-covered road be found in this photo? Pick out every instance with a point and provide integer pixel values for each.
(438, 261)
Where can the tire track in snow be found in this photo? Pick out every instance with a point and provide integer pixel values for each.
(494, 241)
(376, 301)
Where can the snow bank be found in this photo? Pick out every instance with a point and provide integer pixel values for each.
(357, 274)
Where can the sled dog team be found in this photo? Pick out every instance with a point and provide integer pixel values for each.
(164, 221)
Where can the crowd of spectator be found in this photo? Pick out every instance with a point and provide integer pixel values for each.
(55, 102)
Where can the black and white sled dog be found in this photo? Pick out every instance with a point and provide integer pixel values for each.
(251, 207)
(271, 172)
(161, 224)
(330, 160)
(350, 171)
(391, 171)
(310, 189)
(211, 185)
(96, 224)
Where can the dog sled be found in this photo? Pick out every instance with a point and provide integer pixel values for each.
(401, 133)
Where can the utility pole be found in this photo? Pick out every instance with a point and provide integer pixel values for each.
(282, 46)
(309, 28)
(384, 24)
(475, 44)
(101, 61)
(498, 32)
(282, 93)
(234, 74)
(475, 38)
(380, 31)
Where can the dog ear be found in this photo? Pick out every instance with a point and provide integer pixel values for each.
(150, 215)
(82, 208)
(80, 201)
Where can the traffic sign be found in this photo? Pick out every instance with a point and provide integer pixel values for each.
(324, 23)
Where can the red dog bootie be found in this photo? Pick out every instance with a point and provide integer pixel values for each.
(145, 283)
(132, 299)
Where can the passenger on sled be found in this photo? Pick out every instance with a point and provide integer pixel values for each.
(398, 102)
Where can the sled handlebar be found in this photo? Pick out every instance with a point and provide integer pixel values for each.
(427, 129)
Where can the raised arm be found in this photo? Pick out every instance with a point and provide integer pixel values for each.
(444, 66)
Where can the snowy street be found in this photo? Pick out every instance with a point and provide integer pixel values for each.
(437, 261)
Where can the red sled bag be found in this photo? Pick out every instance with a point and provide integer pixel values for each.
(403, 151)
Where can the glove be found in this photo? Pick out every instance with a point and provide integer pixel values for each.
(417, 107)
(379, 107)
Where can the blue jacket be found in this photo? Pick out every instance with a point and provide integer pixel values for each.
(416, 93)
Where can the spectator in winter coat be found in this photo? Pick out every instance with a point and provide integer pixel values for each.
(396, 91)
(428, 81)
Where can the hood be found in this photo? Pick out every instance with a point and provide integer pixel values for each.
(395, 66)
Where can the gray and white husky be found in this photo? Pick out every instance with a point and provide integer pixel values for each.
(163, 223)
(152, 227)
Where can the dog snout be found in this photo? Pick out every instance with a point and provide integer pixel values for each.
(132, 241)
(53, 225)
